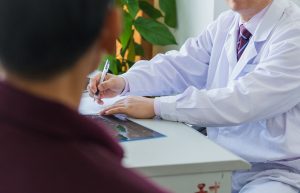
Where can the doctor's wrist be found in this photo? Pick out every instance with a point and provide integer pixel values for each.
(157, 107)
(126, 86)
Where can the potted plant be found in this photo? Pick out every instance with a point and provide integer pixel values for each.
(142, 18)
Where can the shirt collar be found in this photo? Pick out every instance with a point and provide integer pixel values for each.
(252, 24)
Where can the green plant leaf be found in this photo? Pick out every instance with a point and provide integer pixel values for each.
(154, 32)
(169, 8)
(127, 32)
(130, 63)
(119, 3)
(150, 10)
(131, 51)
(119, 66)
(139, 51)
(114, 64)
(133, 7)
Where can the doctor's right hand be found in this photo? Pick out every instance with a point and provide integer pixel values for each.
(111, 87)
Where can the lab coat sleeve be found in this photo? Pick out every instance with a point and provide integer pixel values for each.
(173, 72)
(272, 88)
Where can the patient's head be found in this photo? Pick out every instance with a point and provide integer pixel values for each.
(40, 39)
(48, 47)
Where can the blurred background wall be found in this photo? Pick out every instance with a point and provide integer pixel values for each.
(193, 17)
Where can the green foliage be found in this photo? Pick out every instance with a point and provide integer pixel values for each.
(153, 27)
(154, 32)
(148, 9)
(132, 6)
(169, 7)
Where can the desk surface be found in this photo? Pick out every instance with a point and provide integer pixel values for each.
(183, 150)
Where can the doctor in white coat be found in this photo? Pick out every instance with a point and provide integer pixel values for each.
(241, 79)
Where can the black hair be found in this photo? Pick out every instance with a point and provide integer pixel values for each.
(42, 38)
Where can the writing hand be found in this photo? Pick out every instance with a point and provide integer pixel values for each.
(111, 87)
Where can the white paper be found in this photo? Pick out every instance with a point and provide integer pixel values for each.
(89, 106)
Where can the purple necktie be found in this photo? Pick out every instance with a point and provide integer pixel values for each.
(243, 40)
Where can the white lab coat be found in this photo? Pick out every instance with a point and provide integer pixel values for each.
(251, 107)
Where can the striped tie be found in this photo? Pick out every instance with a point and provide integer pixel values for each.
(243, 40)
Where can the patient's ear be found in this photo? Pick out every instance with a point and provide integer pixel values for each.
(111, 31)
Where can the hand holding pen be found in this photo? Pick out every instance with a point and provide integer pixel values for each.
(105, 85)
(102, 78)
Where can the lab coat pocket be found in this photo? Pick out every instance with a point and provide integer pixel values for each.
(247, 69)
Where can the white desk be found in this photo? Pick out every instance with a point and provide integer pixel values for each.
(182, 160)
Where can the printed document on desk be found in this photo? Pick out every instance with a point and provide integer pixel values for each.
(125, 129)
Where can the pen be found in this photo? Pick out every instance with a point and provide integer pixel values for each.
(104, 72)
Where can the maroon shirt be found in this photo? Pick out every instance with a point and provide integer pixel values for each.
(45, 147)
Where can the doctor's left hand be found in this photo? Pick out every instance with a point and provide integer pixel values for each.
(133, 106)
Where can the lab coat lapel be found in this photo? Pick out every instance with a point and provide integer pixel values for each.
(249, 53)
(264, 30)
(230, 45)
